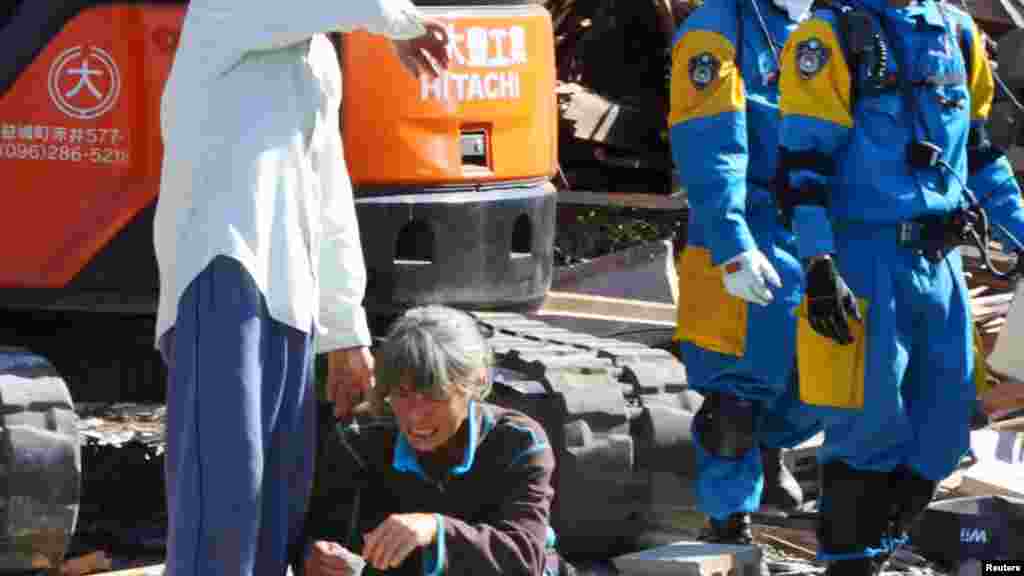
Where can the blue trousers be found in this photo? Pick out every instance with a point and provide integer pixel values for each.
(919, 363)
(240, 430)
(763, 374)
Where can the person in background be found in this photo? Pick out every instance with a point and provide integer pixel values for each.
(437, 481)
(260, 266)
(739, 280)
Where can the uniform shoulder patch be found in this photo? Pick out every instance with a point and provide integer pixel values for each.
(704, 68)
(811, 57)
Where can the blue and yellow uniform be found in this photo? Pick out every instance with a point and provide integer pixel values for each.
(883, 123)
(724, 135)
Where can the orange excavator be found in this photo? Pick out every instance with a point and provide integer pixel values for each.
(462, 210)
(459, 211)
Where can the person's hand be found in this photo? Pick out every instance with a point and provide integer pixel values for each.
(331, 559)
(830, 301)
(427, 54)
(388, 545)
(747, 276)
(349, 377)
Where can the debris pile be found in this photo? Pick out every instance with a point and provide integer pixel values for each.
(991, 297)
(123, 508)
(613, 68)
(613, 62)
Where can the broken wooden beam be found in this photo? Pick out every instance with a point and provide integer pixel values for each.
(638, 201)
(993, 479)
(605, 308)
(152, 570)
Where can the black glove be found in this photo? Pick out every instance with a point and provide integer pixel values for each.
(830, 301)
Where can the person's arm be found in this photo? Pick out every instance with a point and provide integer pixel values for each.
(989, 174)
(342, 270)
(514, 541)
(344, 332)
(816, 117)
(708, 132)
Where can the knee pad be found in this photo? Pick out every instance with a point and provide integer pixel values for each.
(726, 425)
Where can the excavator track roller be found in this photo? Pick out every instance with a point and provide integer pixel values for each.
(40, 463)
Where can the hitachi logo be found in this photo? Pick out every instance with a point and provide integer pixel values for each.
(973, 536)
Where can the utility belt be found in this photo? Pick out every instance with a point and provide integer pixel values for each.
(933, 237)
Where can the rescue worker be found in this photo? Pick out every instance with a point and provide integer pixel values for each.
(258, 248)
(738, 278)
(884, 105)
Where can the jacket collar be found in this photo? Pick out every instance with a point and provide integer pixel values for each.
(480, 423)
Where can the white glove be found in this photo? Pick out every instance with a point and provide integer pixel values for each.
(747, 276)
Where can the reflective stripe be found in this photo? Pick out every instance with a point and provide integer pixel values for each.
(708, 316)
(980, 81)
(831, 374)
(723, 94)
(825, 95)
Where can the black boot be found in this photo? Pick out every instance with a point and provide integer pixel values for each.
(911, 494)
(733, 530)
(854, 516)
(781, 490)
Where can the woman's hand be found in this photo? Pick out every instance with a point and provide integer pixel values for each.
(331, 559)
(389, 544)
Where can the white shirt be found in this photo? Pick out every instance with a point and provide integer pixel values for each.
(253, 166)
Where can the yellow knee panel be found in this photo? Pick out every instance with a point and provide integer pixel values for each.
(707, 315)
(831, 374)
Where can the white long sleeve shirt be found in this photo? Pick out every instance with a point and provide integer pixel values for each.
(253, 165)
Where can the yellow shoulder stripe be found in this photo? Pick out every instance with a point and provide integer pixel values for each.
(826, 93)
(724, 90)
(982, 86)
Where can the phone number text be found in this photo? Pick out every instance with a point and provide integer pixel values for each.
(63, 153)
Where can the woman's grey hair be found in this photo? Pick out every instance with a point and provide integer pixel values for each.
(435, 348)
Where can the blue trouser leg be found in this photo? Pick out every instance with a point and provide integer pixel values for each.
(913, 427)
(723, 486)
(240, 430)
(727, 486)
(918, 388)
(763, 374)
